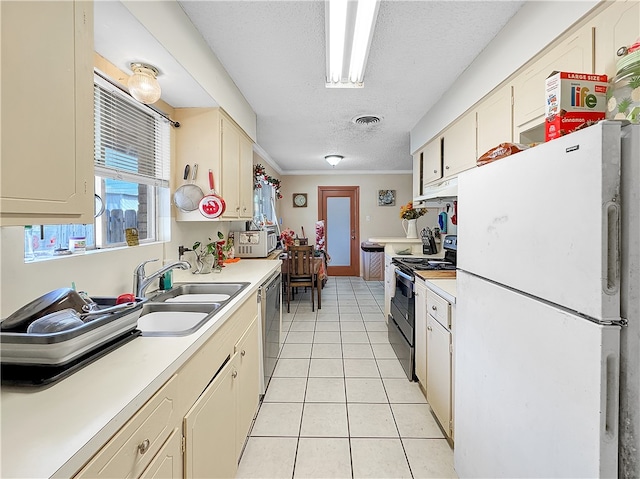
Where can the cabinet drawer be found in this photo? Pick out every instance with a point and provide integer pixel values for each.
(132, 448)
(439, 308)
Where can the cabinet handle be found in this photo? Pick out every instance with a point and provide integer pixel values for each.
(446, 167)
(237, 208)
(143, 446)
(434, 307)
(234, 374)
(243, 352)
(429, 328)
(435, 171)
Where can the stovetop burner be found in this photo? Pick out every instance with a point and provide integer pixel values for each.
(448, 263)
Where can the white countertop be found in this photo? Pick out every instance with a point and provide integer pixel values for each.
(54, 431)
(394, 239)
(445, 288)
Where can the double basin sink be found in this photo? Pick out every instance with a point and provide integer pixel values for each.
(185, 308)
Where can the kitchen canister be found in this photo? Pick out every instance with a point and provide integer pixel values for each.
(78, 244)
(623, 94)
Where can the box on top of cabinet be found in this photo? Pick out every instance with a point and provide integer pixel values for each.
(572, 99)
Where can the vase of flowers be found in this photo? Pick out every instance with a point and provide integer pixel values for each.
(409, 216)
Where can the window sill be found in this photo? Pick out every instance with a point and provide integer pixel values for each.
(44, 258)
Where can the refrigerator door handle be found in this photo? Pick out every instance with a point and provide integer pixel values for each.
(612, 238)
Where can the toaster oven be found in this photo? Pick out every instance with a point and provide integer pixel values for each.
(254, 244)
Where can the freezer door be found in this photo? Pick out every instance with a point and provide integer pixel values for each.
(546, 221)
(536, 387)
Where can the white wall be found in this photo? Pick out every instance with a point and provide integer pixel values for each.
(530, 30)
(172, 28)
(375, 221)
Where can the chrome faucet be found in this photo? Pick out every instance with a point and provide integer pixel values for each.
(142, 282)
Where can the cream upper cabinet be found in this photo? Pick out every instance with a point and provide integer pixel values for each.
(460, 145)
(47, 124)
(418, 173)
(421, 333)
(573, 54)
(494, 120)
(432, 161)
(617, 26)
(246, 178)
(210, 138)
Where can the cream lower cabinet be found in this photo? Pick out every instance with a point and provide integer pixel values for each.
(216, 427)
(132, 449)
(210, 428)
(167, 464)
(248, 383)
(47, 117)
(420, 294)
(197, 423)
(439, 360)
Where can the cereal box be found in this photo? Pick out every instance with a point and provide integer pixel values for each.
(571, 100)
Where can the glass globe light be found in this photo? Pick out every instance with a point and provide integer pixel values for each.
(143, 85)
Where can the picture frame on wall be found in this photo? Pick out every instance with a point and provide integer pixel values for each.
(386, 197)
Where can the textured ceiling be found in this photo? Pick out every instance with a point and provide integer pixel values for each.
(275, 53)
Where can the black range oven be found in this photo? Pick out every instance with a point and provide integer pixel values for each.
(402, 316)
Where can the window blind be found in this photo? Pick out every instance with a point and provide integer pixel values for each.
(132, 142)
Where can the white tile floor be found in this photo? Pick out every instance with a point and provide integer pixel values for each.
(339, 404)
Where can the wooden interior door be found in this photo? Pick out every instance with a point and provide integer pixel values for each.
(338, 206)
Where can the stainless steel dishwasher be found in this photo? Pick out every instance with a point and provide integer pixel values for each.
(270, 301)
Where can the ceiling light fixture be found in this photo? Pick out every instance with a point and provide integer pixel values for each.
(143, 85)
(333, 160)
(349, 30)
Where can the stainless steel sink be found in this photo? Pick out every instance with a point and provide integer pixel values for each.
(175, 319)
(200, 293)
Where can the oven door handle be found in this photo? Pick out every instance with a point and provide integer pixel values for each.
(403, 275)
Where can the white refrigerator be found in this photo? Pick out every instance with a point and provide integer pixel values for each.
(548, 310)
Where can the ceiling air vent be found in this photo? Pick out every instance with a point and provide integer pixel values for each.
(367, 120)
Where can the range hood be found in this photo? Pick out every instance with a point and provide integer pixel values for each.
(438, 193)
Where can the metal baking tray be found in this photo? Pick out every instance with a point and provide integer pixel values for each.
(62, 347)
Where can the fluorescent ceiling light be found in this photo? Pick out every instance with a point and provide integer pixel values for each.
(349, 29)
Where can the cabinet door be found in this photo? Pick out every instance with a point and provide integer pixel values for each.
(617, 26)
(210, 428)
(248, 382)
(439, 371)
(47, 113)
(421, 333)
(130, 451)
(432, 161)
(246, 178)
(460, 145)
(167, 464)
(230, 171)
(389, 284)
(418, 174)
(574, 54)
(494, 120)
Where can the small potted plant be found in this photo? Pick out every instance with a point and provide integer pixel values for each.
(208, 255)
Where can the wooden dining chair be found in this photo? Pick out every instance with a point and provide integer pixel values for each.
(300, 271)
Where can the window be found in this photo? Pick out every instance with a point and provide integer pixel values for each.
(263, 203)
(132, 167)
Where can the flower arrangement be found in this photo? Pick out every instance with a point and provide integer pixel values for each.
(261, 177)
(287, 237)
(408, 212)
